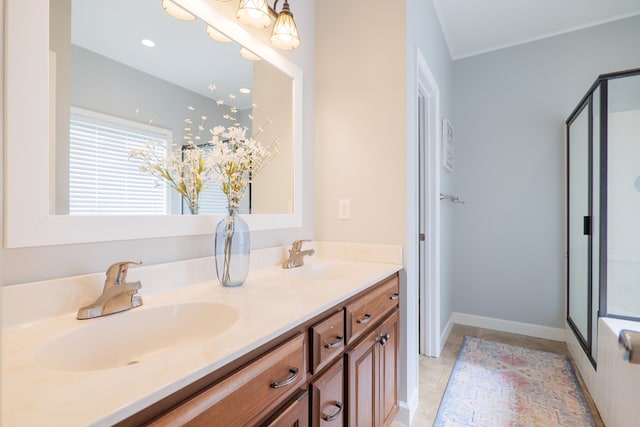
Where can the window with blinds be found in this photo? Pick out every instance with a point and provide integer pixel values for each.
(103, 179)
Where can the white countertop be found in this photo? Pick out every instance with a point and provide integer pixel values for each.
(271, 301)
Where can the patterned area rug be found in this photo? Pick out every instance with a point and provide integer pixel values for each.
(501, 385)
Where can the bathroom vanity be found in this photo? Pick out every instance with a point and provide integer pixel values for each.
(312, 345)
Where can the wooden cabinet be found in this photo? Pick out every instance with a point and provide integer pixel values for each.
(371, 308)
(388, 347)
(372, 372)
(327, 397)
(338, 368)
(327, 341)
(362, 374)
(248, 395)
(295, 415)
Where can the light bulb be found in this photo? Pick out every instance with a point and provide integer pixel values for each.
(254, 13)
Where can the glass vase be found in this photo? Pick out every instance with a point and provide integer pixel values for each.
(232, 249)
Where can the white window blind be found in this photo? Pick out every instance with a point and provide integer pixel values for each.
(103, 179)
(212, 200)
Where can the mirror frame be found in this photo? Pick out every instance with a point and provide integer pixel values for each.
(29, 134)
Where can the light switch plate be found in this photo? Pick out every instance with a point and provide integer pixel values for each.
(344, 209)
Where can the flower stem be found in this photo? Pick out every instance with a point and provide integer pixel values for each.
(226, 271)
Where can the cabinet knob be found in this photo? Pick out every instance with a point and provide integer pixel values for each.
(384, 338)
(336, 415)
(395, 296)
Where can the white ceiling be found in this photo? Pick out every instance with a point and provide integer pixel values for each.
(472, 27)
(184, 54)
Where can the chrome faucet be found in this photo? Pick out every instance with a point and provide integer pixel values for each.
(117, 295)
(296, 256)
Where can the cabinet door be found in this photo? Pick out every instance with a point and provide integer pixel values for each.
(362, 374)
(327, 397)
(296, 414)
(388, 344)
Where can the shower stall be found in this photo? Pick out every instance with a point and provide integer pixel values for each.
(603, 206)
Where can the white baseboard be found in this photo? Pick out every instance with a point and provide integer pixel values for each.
(445, 333)
(408, 409)
(538, 331)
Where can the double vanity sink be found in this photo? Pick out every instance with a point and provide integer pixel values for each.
(59, 370)
(131, 336)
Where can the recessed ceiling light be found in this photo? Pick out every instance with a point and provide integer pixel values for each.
(148, 43)
(245, 90)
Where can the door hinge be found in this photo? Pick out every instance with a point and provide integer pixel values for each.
(421, 237)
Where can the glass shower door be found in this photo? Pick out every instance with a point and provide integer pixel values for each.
(623, 197)
(579, 147)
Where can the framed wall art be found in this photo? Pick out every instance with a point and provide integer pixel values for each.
(447, 145)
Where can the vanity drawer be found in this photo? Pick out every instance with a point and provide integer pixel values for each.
(327, 341)
(367, 310)
(246, 396)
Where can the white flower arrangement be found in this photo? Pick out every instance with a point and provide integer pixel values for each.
(236, 160)
(230, 158)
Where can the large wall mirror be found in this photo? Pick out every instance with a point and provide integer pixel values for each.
(85, 62)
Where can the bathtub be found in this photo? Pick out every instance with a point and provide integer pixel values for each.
(615, 384)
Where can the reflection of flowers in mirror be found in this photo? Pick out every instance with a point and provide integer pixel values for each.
(236, 160)
(230, 157)
(184, 170)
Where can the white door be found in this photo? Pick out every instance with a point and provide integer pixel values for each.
(428, 236)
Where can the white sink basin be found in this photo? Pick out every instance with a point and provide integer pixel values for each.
(127, 338)
(325, 271)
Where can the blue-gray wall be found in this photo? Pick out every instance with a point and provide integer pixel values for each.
(509, 112)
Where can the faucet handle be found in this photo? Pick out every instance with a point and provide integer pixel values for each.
(297, 244)
(117, 272)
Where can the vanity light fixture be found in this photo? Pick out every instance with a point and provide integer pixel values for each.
(254, 13)
(217, 35)
(176, 11)
(258, 14)
(247, 54)
(285, 32)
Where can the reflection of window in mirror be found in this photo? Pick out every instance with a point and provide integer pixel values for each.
(103, 177)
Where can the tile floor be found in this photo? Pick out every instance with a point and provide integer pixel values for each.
(434, 373)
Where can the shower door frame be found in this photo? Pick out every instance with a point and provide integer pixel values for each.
(585, 104)
(601, 84)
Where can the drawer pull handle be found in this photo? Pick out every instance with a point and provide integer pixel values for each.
(294, 374)
(336, 415)
(334, 344)
(395, 296)
(365, 319)
(384, 338)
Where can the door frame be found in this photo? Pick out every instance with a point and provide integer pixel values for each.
(429, 280)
